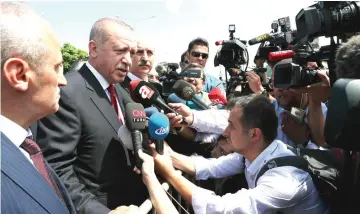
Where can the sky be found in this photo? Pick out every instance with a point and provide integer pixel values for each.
(171, 24)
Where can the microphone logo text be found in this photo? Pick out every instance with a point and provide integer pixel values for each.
(146, 92)
(161, 130)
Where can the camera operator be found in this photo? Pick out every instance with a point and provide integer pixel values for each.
(252, 130)
(198, 52)
(289, 131)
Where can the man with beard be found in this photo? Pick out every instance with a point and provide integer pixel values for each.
(80, 141)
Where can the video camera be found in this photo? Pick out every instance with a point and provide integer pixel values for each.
(232, 55)
(327, 19)
(167, 76)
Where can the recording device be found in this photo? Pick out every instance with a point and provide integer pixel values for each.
(217, 97)
(135, 122)
(167, 75)
(173, 98)
(328, 19)
(232, 55)
(187, 92)
(150, 111)
(291, 75)
(343, 116)
(144, 93)
(284, 37)
(280, 55)
(159, 128)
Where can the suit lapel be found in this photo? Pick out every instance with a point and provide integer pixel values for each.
(15, 165)
(99, 98)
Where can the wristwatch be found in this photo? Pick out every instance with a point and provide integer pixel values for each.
(265, 93)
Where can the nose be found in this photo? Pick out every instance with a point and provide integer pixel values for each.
(226, 132)
(145, 56)
(127, 59)
(61, 79)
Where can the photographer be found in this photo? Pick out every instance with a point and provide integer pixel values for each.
(198, 52)
(289, 131)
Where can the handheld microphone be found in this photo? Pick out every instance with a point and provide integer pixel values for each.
(135, 121)
(216, 96)
(186, 91)
(280, 55)
(172, 98)
(159, 127)
(150, 111)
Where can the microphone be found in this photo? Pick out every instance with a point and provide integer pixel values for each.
(159, 130)
(259, 39)
(135, 121)
(150, 111)
(146, 94)
(172, 98)
(216, 96)
(280, 55)
(186, 91)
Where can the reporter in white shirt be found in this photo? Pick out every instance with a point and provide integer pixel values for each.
(252, 131)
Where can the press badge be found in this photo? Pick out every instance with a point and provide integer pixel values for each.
(298, 115)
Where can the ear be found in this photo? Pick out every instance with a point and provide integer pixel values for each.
(93, 49)
(255, 134)
(16, 73)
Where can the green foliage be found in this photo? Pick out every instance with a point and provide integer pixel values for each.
(71, 54)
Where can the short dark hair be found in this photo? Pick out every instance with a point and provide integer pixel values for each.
(183, 57)
(197, 41)
(348, 59)
(258, 112)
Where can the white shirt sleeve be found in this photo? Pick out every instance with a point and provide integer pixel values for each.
(212, 120)
(277, 189)
(224, 166)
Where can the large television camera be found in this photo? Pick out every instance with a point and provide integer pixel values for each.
(329, 19)
(232, 55)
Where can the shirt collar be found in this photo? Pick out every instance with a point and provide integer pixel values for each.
(13, 131)
(265, 156)
(103, 82)
(133, 77)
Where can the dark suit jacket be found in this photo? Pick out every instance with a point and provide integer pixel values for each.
(80, 142)
(126, 84)
(24, 190)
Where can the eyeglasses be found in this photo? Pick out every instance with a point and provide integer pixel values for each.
(198, 54)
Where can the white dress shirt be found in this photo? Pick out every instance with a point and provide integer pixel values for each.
(16, 134)
(286, 189)
(133, 77)
(105, 85)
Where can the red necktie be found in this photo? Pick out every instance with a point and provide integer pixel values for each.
(36, 156)
(114, 102)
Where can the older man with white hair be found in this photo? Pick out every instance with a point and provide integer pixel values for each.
(31, 74)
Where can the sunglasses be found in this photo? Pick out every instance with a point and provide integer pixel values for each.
(198, 54)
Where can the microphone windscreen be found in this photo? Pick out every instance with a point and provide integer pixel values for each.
(143, 92)
(125, 137)
(184, 90)
(159, 126)
(150, 111)
(135, 116)
(216, 96)
(175, 99)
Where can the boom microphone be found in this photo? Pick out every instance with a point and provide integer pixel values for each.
(135, 121)
(280, 55)
(216, 96)
(159, 130)
(145, 93)
(259, 39)
(186, 91)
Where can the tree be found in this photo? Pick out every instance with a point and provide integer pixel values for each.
(72, 54)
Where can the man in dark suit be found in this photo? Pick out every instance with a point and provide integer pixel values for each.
(80, 140)
(142, 64)
(30, 76)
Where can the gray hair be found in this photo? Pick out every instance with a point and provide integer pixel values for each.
(348, 59)
(98, 32)
(22, 32)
